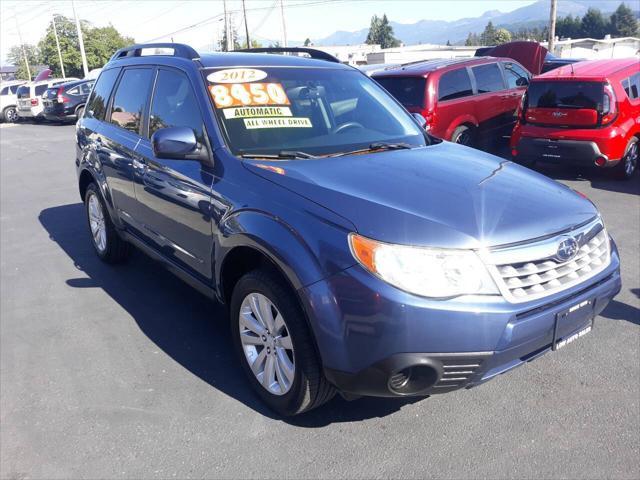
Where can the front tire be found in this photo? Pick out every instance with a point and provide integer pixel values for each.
(274, 345)
(104, 236)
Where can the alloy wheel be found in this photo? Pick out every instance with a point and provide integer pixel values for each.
(11, 115)
(631, 160)
(267, 344)
(464, 138)
(96, 222)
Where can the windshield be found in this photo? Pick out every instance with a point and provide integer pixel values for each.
(314, 111)
(561, 94)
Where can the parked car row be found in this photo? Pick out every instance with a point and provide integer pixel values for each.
(356, 251)
(55, 99)
(584, 113)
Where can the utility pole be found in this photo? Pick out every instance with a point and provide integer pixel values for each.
(284, 28)
(552, 25)
(246, 25)
(24, 52)
(227, 34)
(55, 32)
(80, 40)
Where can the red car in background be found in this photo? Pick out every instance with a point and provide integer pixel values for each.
(587, 113)
(463, 100)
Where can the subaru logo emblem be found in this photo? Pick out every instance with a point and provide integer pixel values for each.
(567, 249)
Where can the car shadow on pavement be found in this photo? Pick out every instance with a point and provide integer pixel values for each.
(187, 326)
(622, 311)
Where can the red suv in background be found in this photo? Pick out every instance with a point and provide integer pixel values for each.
(587, 113)
(462, 100)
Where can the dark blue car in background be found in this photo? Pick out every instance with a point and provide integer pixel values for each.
(355, 252)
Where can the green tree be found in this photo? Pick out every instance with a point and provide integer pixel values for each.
(488, 36)
(234, 36)
(502, 35)
(254, 44)
(569, 27)
(307, 42)
(101, 43)
(623, 22)
(594, 24)
(381, 33)
(16, 57)
(472, 40)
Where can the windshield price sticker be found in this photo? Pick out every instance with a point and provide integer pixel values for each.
(293, 122)
(248, 94)
(236, 75)
(252, 112)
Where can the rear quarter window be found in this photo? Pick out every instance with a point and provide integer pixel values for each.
(409, 91)
(454, 84)
(565, 95)
(631, 86)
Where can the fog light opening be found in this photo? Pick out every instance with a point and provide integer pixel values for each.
(412, 379)
(601, 161)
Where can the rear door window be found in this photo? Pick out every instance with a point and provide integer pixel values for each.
(488, 78)
(86, 88)
(130, 98)
(409, 91)
(40, 89)
(514, 73)
(631, 86)
(583, 95)
(97, 104)
(454, 84)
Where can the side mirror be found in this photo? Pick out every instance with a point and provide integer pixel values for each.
(522, 81)
(177, 143)
(420, 119)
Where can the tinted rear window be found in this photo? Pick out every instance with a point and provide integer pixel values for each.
(565, 94)
(488, 78)
(23, 92)
(40, 89)
(409, 91)
(454, 84)
(97, 104)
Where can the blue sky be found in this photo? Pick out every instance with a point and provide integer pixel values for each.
(156, 19)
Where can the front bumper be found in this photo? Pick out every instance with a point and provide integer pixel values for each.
(370, 334)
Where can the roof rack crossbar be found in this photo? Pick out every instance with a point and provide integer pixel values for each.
(179, 50)
(312, 52)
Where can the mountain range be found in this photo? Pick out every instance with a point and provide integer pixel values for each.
(456, 31)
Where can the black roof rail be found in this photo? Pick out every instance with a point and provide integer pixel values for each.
(179, 50)
(312, 52)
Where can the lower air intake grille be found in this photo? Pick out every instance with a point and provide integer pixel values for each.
(457, 371)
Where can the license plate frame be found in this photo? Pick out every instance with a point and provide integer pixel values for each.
(573, 314)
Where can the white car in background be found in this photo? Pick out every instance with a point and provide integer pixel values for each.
(9, 100)
(30, 104)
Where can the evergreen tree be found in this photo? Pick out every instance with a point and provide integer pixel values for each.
(381, 33)
(489, 35)
(623, 22)
(594, 24)
(307, 42)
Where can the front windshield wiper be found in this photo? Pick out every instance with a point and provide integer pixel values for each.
(376, 147)
(282, 155)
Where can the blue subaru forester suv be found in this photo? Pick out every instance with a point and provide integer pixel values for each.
(355, 252)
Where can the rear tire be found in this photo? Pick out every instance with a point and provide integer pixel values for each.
(107, 243)
(79, 112)
(628, 165)
(259, 299)
(10, 115)
(463, 135)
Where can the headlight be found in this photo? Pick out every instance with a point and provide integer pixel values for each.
(429, 272)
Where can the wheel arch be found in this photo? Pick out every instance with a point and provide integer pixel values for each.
(464, 120)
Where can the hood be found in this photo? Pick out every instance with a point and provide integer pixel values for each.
(530, 55)
(444, 195)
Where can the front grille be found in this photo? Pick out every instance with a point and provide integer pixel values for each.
(457, 371)
(532, 271)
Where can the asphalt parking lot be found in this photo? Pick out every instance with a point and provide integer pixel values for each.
(125, 372)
